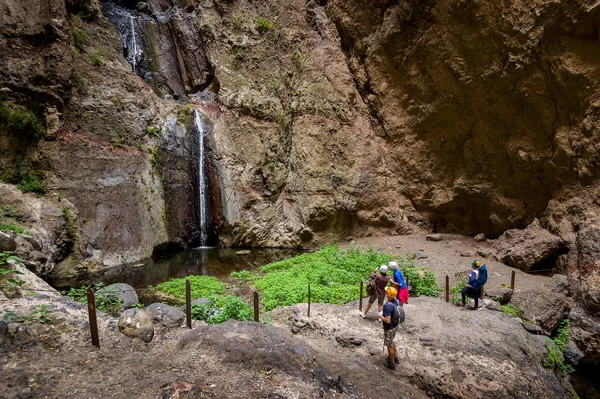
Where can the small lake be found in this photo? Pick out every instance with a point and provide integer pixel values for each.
(218, 262)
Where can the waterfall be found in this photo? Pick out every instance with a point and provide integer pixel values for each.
(134, 43)
(202, 199)
(128, 27)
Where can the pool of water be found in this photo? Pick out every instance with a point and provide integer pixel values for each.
(218, 262)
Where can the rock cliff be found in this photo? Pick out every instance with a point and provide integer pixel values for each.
(323, 117)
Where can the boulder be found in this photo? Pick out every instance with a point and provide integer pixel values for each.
(120, 290)
(7, 242)
(502, 295)
(349, 339)
(525, 248)
(136, 323)
(433, 237)
(480, 237)
(168, 316)
(547, 306)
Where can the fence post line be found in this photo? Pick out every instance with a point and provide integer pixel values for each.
(512, 280)
(255, 306)
(308, 299)
(361, 296)
(447, 288)
(188, 304)
(91, 302)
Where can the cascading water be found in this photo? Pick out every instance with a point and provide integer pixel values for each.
(127, 23)
(202, 198)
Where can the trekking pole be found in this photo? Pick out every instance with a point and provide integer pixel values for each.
(512, 280)
(361, 295)
(447, 288)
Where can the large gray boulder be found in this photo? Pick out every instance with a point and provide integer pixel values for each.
(525, 248)
(136, 323)
(168, 316)
(119, 290)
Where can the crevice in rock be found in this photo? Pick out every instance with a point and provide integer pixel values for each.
(549, 262)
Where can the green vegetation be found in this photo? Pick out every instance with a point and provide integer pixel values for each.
(79, 80)
(13, 285)
(185, 115)
(107, 302)
(31, 184)
(334, 276)
(152, 131)
(222, 308)
(283, 120)
(13, 228)
(97, 57)
(69, 227)
(25, 178)
(154, 159)
(455, 291)
(265, 24)
(200, 286)
(556, 348)
(244, 275)
(298, 58)
(20, 120)
(81, 38)
(41, 315)
(512, 310)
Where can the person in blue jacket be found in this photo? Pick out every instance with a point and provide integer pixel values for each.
(398, 282)
(472, 290)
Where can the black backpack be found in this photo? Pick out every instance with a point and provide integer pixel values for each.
(398, 316)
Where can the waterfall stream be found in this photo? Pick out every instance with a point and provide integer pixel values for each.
(202, 199)
(128, 27)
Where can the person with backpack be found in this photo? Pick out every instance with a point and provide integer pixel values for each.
(391, 317)
(477, 279)
(398, 282)
(378, 284)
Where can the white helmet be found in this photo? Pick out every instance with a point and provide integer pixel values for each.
(393, 265)
(383, 269)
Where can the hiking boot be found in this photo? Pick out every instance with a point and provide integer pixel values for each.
(389, 365)
(396, 360)
(361, 314)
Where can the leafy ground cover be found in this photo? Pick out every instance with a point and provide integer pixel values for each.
(200, 287)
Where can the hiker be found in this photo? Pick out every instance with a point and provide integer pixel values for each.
(398, 282)
(390, 326)
(473, 288)
(380, 280)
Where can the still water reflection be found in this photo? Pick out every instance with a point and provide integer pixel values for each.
(218, 262)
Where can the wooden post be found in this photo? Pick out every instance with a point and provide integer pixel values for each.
(255, 306)
(188, 303)
(308, 299)
(512, 280)
(481, 291)
(361, 296)
(91, 301)
(447, 288)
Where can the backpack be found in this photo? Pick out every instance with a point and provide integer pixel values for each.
(398, 316)
(371, 288)
(482, 278)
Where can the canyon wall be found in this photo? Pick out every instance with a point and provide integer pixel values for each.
(328, 117)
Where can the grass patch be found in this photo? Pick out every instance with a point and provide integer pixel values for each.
(21, 121)
(265, 24)
(222, 308)
(13, 228)
(556, 348)
(334, 276)
(456, 290)
(200, 286)
(244, 275)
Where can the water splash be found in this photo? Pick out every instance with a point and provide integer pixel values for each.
(202, 199)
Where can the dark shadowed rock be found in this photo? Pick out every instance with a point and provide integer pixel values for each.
(525, 248)
(7, 242)
(502, 295)
(169, 316)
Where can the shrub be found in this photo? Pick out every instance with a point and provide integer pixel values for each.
(20, 120)
(222, 308)
(108, 302)
(265, 24)
(201, 287)
(97, 58)
(556, 348)
(31, 184)
(244, 275)
(81, 39)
